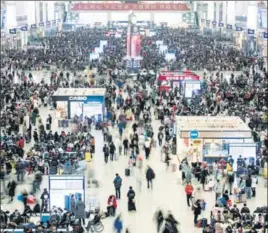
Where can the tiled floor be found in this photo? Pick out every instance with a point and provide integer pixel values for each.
(167, 193)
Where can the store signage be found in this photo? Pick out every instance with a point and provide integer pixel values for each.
(214, 22)
(33, 26)
(221, 25)
(41, 24)
(130, 7)
(48, 23)
(24, 29)
(77, 98)
(265, 35)
(13, 31)
(229, 26)
(251, 31)
(239, 29)
(194, 134)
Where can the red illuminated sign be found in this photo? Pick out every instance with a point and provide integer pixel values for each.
(177, 76)
(130, 6)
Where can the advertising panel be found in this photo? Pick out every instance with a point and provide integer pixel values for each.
(135, 46)
(129, 42)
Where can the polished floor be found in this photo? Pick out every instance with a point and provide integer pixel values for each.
(167, 194)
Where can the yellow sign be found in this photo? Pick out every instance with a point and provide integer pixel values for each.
(196, 142)
(88, 156)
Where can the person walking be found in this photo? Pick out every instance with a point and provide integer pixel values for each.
(117, 186)
(217, 189)
(11, 189)
(248, 188)
(131, 199)
(106, 153)
(150, 175)
(197, 211)
(80, 210)
(189, 192)
(112, 151)
(126, 146)
(73, 204)
(160, 137)
(118, 224)
(45, 198)
(254, 185)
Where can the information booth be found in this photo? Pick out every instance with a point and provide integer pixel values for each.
(84, 102)
(187, 82)
(208, 138)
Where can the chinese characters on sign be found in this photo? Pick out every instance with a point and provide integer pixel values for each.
(130, 6)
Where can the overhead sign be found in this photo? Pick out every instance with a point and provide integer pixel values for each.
(3, 18)
(177, 76)
(13, 31)
(194, 134)
(203, 20)
(239, 29)
(41, 24)
(24, 29)
(33, 26)
(251, 31)
(229, 26)
(77, 98)
(265, 35)
(58, 20)
(130, 7)
(221, 25)
(208, 21)
(48, 23)
(214, 22)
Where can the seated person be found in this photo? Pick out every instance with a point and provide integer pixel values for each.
(259, 222)
(67, 219)
(27, 211)
(245, 209)
(15, 217)
(97, 219)
(225, 195)
(219, 217)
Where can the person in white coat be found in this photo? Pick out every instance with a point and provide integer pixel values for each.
(254, 185)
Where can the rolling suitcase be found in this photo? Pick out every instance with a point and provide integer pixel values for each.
(53, 170)
(127, 172)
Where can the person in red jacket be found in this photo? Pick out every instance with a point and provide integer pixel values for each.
(112, 205)
(189, 191)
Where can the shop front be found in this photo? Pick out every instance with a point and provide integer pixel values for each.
(85, 102)
(187, 82)
(205, 138)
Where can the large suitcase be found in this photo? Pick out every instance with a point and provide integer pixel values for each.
(127, 172)
(243, 197)
(53, 170)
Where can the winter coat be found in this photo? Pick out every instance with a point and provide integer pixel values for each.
(80, 209)
(73, 206)
(150, 174)
(12, 186)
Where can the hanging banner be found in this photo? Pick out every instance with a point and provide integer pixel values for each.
(24, 29)
(130, 7)
(229, 26)
(135, 46)
(41, 24)
(33, 26)
(251, 32)
(265, 35)
(239, 29)
(221, 25)
(12, 31)
(3, 18)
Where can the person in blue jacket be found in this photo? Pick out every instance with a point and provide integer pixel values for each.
(117, 186)
(118, 224)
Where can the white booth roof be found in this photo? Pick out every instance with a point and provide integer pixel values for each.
(80, 92)
(210, 123)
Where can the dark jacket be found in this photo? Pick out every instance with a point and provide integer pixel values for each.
(80, 210)
(150, 174)
(11, 188)
(117, 182)
(131, 194)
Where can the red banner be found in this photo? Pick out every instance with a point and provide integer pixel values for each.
(135, 46)
(177, 76)
(130, 6)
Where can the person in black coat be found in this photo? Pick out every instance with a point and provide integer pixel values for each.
(131, 199)
(203, 177)
(35, 136)
(197, 211)
(112, 151)
(150, 175)
(11, 189)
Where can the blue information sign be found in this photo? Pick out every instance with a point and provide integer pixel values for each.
(194, 134)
